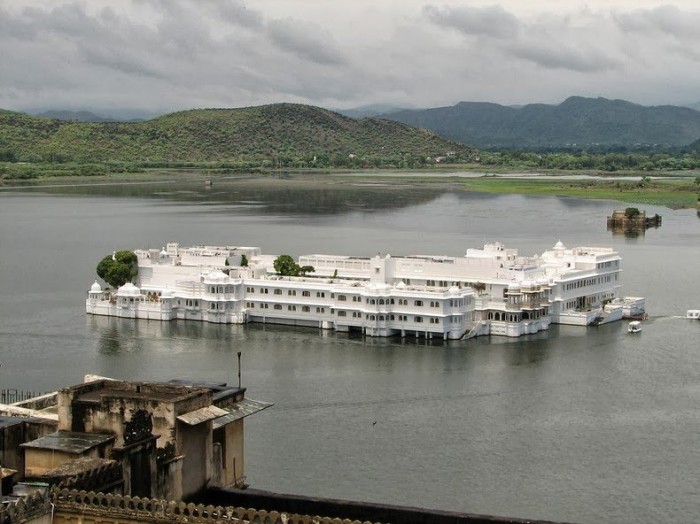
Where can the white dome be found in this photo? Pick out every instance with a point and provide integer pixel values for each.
(454, 290)
(166, 293)
(559, 245)
(95, 288)
(128, 290)
(401, 285)
(513, 285)
(163, 253)
(215, 277)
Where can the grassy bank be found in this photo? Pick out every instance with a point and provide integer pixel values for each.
(675, 193)
(672, 192)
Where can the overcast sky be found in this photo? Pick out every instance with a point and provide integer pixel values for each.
(165, 55)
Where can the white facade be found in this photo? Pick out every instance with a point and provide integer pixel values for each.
(488, 291)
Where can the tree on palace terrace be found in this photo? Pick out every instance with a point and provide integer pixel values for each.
(119, 268)
(285, 266)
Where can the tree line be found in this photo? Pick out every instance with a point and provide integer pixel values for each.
(584, 160)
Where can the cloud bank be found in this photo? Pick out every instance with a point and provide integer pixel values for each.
(164, 55)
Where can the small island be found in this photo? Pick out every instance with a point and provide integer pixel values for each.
(632, 221)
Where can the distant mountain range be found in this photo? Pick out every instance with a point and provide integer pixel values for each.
(74, 116)
(108, 115)
(370, 111)
(290, 133)
(576, 122)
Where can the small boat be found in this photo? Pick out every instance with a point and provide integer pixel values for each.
(634, 327)
(693, 314)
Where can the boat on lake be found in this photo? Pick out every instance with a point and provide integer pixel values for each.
(693, 314)
(634, 327)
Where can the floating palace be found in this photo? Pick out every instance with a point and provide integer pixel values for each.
(489, 291)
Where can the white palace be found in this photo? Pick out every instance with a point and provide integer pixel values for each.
(488, 291)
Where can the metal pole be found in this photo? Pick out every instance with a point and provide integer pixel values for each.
(239, 369)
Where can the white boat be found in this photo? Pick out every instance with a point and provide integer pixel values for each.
(634, 327)
(693, 314)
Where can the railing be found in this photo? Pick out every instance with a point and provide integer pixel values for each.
(25, 509)
(10, 396)
(135, 509)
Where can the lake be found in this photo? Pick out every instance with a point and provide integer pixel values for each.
(576, 424)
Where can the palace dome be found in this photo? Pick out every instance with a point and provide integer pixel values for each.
(95, 288)
(215, 276)
(129, 290)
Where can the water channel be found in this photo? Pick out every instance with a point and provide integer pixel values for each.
(576, 424)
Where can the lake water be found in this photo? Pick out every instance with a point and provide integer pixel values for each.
(577, 424)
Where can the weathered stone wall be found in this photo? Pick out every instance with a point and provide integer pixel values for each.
(620, 220)
(39, 461)
(169, 478)
(11, 436)
(33, 509)
(80, 507)
(64, 401)
(196, 446)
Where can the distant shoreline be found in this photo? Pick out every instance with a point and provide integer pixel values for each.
(673, 190)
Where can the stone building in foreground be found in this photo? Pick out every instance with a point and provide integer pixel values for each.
(118, 452)
(170, 440)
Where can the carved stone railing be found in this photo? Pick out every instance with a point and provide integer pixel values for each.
(25, 509)
(173, 512)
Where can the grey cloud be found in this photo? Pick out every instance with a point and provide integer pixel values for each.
(173, 54)
(305, 40)
(547, 41)
(15, 27)
(121, 62)
(555, 55)
(493, 21)
(236, 12)
(667, 19)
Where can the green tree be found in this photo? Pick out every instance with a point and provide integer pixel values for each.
(244, 260)
(285, 266)
(119, 268)
(303, 270)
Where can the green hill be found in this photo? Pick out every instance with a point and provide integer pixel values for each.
(576, 122)
(280, 134)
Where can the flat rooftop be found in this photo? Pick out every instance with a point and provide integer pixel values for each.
(219, 390)
(157, 391)
(6, 422)
(69, 442)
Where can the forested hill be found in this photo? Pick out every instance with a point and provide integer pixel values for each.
(280, 134)
(578, 121)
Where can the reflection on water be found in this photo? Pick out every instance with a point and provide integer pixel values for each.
(295, 197)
